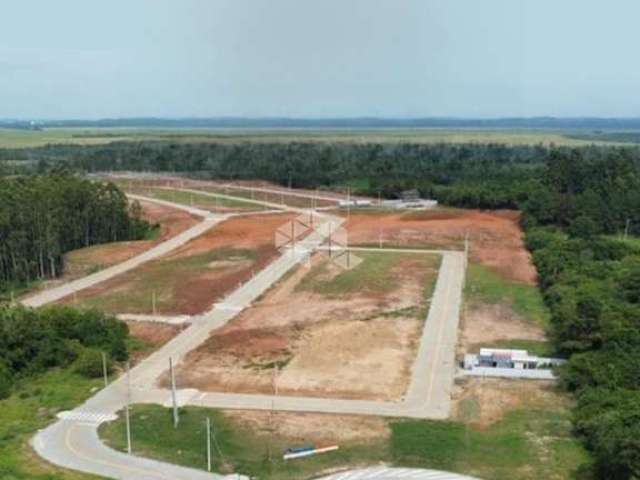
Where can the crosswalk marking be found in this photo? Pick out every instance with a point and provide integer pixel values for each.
(387, 473)
(87, 416)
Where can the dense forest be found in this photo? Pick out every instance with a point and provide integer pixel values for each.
(577, 203)
(42, 217)
(466, 175)
(591, 283)
(32, 341)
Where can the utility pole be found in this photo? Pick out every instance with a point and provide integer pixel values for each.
(208, 444)
(127, 414)
(176, 418)
(274, 384)
(104, 370)
(466, 247)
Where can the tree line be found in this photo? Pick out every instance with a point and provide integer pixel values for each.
(44, 216)
(589, 273)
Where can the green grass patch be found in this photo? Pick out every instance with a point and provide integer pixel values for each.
(32, 406)
(485, 286)
(198, 200)
(373, 275)
(525, 445)
(240, 449)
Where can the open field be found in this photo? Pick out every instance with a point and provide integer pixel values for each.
(529, 439)
(190, 279)
(495, 237)
(10, 138)
(332, 333)
(205, 202)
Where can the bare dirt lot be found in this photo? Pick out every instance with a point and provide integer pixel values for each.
(192, 278)
(496, 237)
(151, 336)
(484, 324)
(330, 333)
(483, 401)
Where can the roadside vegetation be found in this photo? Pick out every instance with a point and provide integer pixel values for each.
(34, 341)
(50, 361)
(33, 405)
(528, 444)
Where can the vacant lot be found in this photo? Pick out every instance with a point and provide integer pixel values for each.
(205, 202)
(530, 440)
(331, 332)
(500, 312)
(146, 337)
(192, 278)
(496, 238)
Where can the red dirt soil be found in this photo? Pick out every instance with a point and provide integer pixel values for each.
(154, 334)
(250, 231)
(196, 293)
(495, 236)
(172, 222)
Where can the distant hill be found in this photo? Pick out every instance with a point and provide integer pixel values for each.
(592, 123)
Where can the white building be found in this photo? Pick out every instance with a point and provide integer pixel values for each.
(499, 362)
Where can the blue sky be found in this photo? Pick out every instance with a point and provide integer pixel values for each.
(321, 58)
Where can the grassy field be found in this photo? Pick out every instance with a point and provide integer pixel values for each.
(236, 448)
(526, 445)
(370, 276)
(10, 138)
(33, 405)
(206, 202)
(486, 286)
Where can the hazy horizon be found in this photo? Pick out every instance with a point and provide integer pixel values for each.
(405, 59)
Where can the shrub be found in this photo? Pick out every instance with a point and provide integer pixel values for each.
(89, 363)
(5, 381)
